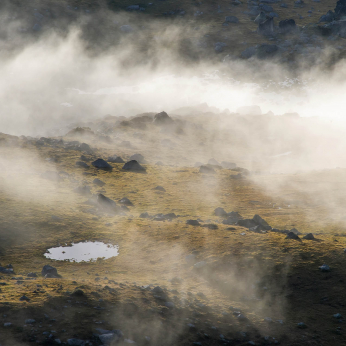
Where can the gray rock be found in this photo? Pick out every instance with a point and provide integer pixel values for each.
(50, 271)
(75, 342)
(7, 324)
(293, 236)
(163, 119)
(309, 236)
(30, 321)
(102, 164)
(193, 223)
(144, 215)
(125, 201)
(301, 325)
(98, 182)
(266, 28)
(266, 8)
(273, 15)
(261, 18)
(287, 26)
(133, 166)
(133, 8)
(160, 188)
(24, 298)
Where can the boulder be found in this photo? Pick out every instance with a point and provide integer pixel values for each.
(105, 202)
(220, 212)
(309, 236)
(261, 18)
(193, 223)
(232, 218)
(248, 223)
(98, 182)
(328, 17)
(287, 26)
(266, 27)
(340, 9)
(133, 166)
(163, 119)
(50, 272)
(293, 236)
(102, 164)
(125, 201)
(260, 222)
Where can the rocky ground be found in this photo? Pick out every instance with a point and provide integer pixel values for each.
(298, 33)
(214, 246)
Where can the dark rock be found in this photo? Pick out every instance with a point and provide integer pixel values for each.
(86, 148)
(295, 231)
(81, 164)
(98, 182)
(193, 223)
(32, 275)
(133, 166)
(293, 236)
(144, 215)
(266, 51)
(102, 164)
(324, 268)
(309, 236)
(75, 342)
(340, 9)
(50, 271)
(24, 298)
(125, 201)
(258, 229)
(106, 203)
(78, 293)
(116, 159)
(266, 8)
(6, 270)
(206, 170)
(220, 212)
(163, 119)
(261, 18)
(259, 221)
(266, 28)
(219, 47)
(232, 218)
(138, 157)
(160, 188)
(287, 26)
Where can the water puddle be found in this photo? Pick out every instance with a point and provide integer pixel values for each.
(86, 251)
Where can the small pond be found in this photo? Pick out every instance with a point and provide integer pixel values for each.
(86, 251)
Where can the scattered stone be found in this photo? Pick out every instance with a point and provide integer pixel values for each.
(32, 275)
(193, 223)
(102, 164)
(6, 270)
(7, 324)
(219, 47)
(301, 325)
(78, 293)
(75, 342)
(259, 221)
(266, 28)
(211, 226)
(261, 18)
(206, 170)
(329, 17)
(338, 316)
(105, 202)
(309, 236)
(158, 163)
(98, 182)
(133, 166)
(232, 218)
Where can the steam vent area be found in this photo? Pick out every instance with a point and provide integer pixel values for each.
(172, 173)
